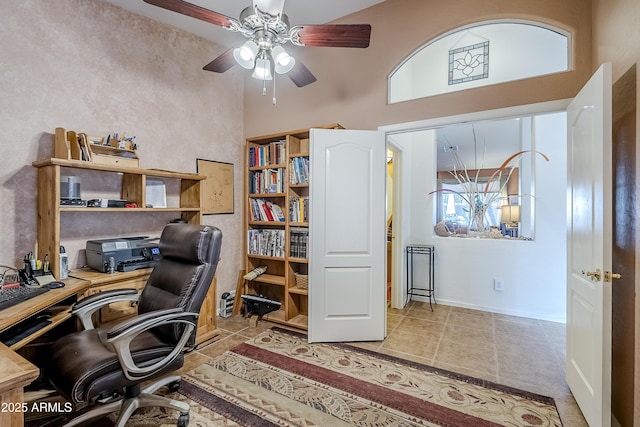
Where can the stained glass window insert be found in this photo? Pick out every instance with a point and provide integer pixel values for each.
(469, 63)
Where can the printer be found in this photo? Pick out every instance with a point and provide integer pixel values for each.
(122, 254)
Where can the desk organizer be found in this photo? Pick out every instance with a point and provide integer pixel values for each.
(71, 145)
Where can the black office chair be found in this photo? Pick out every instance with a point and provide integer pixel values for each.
(107, 364)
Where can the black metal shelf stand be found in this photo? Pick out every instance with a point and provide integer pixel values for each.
(412, 289)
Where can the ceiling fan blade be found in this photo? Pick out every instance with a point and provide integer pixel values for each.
(196, 11)
(340, 35)
(222, 63)
(301, 75)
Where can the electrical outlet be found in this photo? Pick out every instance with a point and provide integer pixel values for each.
(498, 285)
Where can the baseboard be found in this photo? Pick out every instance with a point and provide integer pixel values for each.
(516, 313)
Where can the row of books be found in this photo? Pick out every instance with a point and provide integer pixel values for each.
(299, 170)
(267, 181)
(266, 242)
(299, 209)
(264, 210)
(274, 153)
(298, 242)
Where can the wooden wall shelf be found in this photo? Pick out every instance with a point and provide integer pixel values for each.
(133, 188)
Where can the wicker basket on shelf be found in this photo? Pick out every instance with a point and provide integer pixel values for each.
(302, 280)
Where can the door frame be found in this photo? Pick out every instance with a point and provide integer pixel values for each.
(400, 196)
(389, 131)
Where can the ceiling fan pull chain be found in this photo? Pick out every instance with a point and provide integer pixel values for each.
(273, 100)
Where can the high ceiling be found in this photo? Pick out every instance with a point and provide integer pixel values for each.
(299, 12)
(489, 134)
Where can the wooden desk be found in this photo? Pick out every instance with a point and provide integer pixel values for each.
(17, 373)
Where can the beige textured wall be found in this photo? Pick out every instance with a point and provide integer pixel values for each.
(616, 39)
(88, 66)
(352, 83)
(616, 34)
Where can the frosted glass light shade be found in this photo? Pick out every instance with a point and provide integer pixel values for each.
(245, 55)
(282, 60)
(262, 71)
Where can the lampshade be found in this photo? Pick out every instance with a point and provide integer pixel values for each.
(245, 55)
(262, 71)
(510, 214)
(282, 60)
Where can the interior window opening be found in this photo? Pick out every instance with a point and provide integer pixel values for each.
(481, 54)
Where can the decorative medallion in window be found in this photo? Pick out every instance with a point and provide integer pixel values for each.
(470, 62)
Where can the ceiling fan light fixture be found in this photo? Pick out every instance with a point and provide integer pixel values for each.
(267, 28)
(245, 55)
(262, 70)
(282, 60)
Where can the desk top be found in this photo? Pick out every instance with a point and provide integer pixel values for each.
(78, 281)
(97, 278)
(12, 315)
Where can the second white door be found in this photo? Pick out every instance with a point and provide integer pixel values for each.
(347, 288)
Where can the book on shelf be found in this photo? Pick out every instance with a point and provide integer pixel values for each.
(298, 242)
(277, 210)
(267, 181)
(273, 153)
(299, 209)
(264, 210)
(299, 170)
(266, 242)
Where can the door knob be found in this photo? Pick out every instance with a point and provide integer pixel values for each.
(593, 274)
(609, 276)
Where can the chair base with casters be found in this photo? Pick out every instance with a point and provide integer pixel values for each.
(107, 366)
(136, 398)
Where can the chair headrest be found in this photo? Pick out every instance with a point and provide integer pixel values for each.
(187, 242)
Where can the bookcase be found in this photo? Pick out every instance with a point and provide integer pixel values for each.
(277, 221)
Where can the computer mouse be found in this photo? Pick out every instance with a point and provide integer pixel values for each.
(55, 285)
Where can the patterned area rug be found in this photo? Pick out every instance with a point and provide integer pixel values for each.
(278, 379)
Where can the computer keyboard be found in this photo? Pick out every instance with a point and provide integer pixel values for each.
(13, 296)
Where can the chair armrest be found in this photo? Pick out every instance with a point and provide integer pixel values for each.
(85, 308)
(144, 322)
(121, 335)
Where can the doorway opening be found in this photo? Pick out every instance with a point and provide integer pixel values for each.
(481, 260)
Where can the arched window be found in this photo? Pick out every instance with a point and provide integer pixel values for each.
(481, 54)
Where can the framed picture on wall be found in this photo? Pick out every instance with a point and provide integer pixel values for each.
(217, 188)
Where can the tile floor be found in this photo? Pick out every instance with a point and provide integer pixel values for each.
(524, 353)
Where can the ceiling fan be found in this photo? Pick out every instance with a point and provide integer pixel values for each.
(267, 29)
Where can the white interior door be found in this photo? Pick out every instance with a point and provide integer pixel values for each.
(347, 280)
(589, 249)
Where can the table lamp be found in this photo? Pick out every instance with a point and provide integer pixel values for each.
(510, 216)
